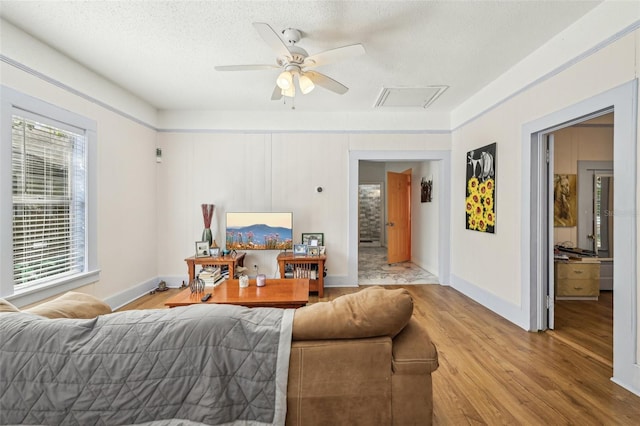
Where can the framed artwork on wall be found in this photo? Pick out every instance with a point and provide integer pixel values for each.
(308, 238)
(565, 206)
(480, 192)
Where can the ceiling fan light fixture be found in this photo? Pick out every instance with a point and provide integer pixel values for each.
(290, 92)
(285, 80)
(306, 85)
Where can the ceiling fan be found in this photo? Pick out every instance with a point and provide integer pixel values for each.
(295, 62)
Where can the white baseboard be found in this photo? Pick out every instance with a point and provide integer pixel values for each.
(490, 301)
(119, 300)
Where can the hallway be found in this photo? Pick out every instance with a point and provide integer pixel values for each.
(373, 269)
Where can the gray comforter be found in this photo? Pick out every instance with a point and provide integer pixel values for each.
(202, 364)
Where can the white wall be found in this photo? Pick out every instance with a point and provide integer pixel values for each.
(474, 252)
(425, 218)
(126, 164)
(260, 172)
(488, 267)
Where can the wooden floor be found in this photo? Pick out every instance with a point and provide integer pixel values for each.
(587, 325)
(493, 372)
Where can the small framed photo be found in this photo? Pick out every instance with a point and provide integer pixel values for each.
(322, 250)
(313, 251)
(202, 248)
(299, 249)
(214, 251)
(313, 239)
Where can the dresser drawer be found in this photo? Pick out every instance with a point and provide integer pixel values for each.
(578, 288)
(577, 270)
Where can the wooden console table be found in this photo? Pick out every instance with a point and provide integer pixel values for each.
(301, 267)
(232, 261)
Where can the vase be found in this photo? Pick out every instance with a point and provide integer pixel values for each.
(207, 236)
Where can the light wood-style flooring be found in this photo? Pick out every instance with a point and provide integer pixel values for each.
(493, 372)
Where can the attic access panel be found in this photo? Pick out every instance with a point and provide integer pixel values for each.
(408, 97)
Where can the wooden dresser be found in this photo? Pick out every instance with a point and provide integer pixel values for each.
(578, 279)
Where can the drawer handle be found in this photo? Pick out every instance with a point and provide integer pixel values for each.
(577, 288)
(578, 272)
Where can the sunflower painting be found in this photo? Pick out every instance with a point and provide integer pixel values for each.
(480, 203)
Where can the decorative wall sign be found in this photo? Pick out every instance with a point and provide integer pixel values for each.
(564, 200)
(480, 201)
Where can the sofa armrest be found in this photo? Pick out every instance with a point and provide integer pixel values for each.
(71, 305)
(340, 382)
(413, 350)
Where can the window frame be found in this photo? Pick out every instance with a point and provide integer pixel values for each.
(14, 102)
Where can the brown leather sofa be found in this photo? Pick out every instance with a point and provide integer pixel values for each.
(361, 359)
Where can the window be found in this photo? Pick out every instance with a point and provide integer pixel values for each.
(48, 202)
(48, 199)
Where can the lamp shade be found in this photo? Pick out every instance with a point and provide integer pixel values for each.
(306, 85)
(285, 80)
(290, 92)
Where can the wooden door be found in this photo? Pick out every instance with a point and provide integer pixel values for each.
(398, 216)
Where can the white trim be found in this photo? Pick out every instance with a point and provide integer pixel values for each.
(10, 99)
(132, 293)
(623, 99)
(66, 87)
(490, 301)
(444, 214)
(39, 293)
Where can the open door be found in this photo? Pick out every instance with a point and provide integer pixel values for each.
(551, 294)
(398, 217)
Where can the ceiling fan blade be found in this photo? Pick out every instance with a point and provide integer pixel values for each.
(326, 82)
(333, 55)
(245, 67)
(271, 38)
(277, 94)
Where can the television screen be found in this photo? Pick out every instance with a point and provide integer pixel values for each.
(259, 231)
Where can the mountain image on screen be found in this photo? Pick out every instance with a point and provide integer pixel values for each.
(259, 237)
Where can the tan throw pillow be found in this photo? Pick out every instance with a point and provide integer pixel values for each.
(71, 305)
(371, 312)
(6, 306)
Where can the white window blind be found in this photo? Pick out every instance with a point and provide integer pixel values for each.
(49, 187)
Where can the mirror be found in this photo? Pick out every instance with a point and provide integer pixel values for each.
(603, 215)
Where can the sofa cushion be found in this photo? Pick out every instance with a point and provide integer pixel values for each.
(6, 306)
(371, 312)
(71, 305)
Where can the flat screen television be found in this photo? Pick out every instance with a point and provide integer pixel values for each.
(259, 231)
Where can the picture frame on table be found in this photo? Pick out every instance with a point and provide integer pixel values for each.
(313, 251)
(321, 250)
(214, 251)
(313, 238)
(202, 248)
(299, 249)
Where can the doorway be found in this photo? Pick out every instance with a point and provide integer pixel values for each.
(439, 237)
(537, 243)
(583, 154)
(370, 198)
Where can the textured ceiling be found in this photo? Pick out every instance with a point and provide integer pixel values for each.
(165, 51)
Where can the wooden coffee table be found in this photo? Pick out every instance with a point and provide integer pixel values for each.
(277, 293)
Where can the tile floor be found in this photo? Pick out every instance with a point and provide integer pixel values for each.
(373, 269)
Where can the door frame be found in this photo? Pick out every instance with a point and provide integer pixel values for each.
(623, 100)
(444, 213)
